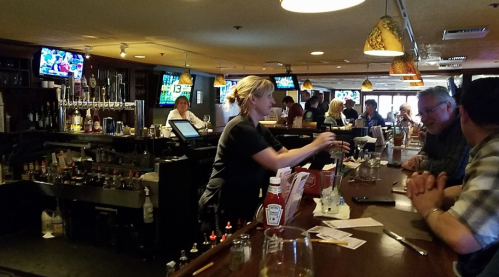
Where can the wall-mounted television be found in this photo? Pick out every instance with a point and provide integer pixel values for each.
(348, 94)
(229, 85)
(170, 89)
(285, 82)
(58, 63)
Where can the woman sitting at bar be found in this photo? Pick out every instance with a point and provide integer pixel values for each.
(245, 150)
(181, 111)
(334, 115)
(406, 115)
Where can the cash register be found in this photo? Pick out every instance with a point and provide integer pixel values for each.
(195, 145)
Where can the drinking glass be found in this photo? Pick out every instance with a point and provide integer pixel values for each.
(206, 119)
(330, 184)
(287, 252)
(359, 143)
(374, 159)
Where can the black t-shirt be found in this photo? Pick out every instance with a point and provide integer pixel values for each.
(311, 115)
(351, 113)
(235, 173)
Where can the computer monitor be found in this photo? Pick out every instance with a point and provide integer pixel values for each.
(184, 129)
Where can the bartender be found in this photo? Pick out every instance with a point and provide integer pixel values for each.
(245, 150)
(181, 111)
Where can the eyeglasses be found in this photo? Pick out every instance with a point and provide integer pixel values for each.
(429, 111)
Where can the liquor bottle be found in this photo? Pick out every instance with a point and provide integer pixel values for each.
(107, 183)
(31, 113)
(58, 177)
(37, 172)
(31, 172)
(183, 260)
(48, 118)
(194, 252)
(116, 183)
(36, 116)
(97, 126)
(100, 178)
(273, 205)
(88, 122)
(123, 182)
(47, 176)
(148, 208)
(66, 177)
(213, 239)
(43, 174)
(206, 244)
(129, 184)
(77, 120)
(41, 118)
(79, 177)
(86, 178)
(25, 176)
(55, 116)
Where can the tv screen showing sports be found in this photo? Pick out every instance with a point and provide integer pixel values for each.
(285, 82)
(59, 63)
(348, 94)
(170, 90)
(229, 85)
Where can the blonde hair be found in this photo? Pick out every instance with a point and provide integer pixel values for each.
(407, 107)
(335, 108)
(248, 86)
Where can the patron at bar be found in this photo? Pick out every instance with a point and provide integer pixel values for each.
(181, 111)
(294, 109)
(245, 149)
(471, 225)
(445, 148)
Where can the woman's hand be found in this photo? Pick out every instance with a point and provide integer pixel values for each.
(324, 140)
(342, 144)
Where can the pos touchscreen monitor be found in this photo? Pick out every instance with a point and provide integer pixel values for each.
(183, 129)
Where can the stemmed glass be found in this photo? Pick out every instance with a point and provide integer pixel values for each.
(359, 143)
(287, 251)
(206, 119)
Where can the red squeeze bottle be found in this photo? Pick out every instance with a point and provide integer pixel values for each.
(273, 205)
(213, 239)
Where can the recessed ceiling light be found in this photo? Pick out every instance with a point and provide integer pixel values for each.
(89, 36)
(140, 57)
(339, 66)
(264, 68)
(317, 53)
(317, 6)
(347, 61)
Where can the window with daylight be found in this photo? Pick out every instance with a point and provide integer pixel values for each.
(387, 100)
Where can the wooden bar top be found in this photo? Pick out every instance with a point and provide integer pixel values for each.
(381, 255)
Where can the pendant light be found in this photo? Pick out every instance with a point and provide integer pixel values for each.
(417, 84)
(402, 66)
(307, 84)
(185, 78)
(414, 78)
(385, 38)
(123, 46)
(318, 6)
(219, 79)
(367, 85)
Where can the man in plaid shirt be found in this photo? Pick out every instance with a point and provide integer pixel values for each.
(471, 225)
(445, 148)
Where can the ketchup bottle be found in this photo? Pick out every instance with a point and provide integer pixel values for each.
(273, 205)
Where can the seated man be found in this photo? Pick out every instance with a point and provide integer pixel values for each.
(445, 148)
(312, 114)
(294, 109)
(371, 115)
(471, 225)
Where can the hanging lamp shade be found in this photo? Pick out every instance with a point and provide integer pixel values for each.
(384, 39)
(307, 85)
(414, 78)
(185, 79)
(219, 81)
(402, 66)
(417, 84)
(366, 85)
(317, 6)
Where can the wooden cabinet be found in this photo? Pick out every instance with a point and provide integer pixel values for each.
(15, 72)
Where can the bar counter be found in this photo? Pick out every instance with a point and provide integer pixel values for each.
(381, 255)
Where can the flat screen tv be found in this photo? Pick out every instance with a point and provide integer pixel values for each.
(285, 82)
(170, 90)
(59, 63)
(348, 94)
(229, 85)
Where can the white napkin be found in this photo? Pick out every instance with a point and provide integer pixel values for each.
(343, 211)
(352, 165)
